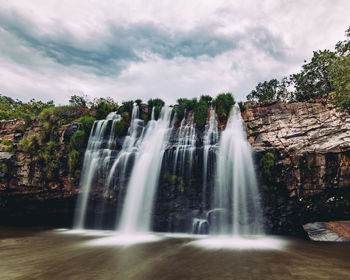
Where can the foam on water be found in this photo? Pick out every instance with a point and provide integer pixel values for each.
(229, 242)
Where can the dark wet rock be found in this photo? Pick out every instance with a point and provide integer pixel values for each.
(69, 130)
(310, 177)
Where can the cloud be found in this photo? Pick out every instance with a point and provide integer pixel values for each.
(168, 49)
(125, 44)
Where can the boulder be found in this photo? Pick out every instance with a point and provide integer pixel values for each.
(338, 231)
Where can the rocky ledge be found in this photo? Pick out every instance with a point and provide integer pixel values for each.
(329, 231)
(298, 127)
(302, 155)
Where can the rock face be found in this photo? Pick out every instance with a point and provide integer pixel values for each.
(26, 195)
(302, 156)
(298, 127)
(329, 231)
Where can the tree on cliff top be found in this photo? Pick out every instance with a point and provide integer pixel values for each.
(340, 73)
(16, 109)
(327, 72)
(223, 104)
(313, 80)
(269, 90)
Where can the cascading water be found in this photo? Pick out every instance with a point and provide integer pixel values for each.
(210, 140)
(97, 157)
(125, 159)
(236, 205)
(138, 204)
(223, 182)
(123, 162)
(185, 147)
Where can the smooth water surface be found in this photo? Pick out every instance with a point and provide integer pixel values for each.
(61, 254)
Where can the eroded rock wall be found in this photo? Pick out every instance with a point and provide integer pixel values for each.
(302, 154)
(27, 196)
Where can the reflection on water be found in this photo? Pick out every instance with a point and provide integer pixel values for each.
(124, 240)
(61, 254)
(228, 242)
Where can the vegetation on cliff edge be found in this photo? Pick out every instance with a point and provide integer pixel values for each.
(327, 75)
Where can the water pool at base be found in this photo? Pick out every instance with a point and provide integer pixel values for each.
(63, 254)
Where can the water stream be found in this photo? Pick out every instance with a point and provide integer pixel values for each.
(138, 205)
(96, 158)
(236, 201)
(229, 201)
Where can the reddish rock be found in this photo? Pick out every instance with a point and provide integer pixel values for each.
(338, 231)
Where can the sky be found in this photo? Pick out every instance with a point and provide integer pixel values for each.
(50, 50)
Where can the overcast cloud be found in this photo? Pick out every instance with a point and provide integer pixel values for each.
(130, 49)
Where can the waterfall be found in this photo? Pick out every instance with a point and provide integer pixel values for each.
(227, 202)
(123, 162)
(97, 157)
(236, 206)
(185, 143)
(210, 140)
(125, 159)
(138, 204)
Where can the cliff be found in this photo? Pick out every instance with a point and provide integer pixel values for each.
(36, 187)
(302, 155)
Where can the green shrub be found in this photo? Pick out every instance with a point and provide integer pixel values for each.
(127, 106)
(270, 90)
(223, 104)
(27, 122)
(155, 104)
(45, 132)
(184, 106)
(50, 150)
(267, 162)
(102, 110)
(174, 180)
(79, 101)
(119, 128)
(60, 115)
(200, 113)
(340, 80)
(207, 98)
(313, 81)
(103, 106)
(7, 146)
(144, 117)
(126, 119)
(87, 122)
(4, 169)
(16, 109)
(73, 160)
(241, 106)
(169, 178)
(29, 144)
(78, 141)
(50, 157)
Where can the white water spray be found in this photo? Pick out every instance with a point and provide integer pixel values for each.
(97, 156)
(236, 205)
(138, 204)
(185, 147)
(210, 140)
